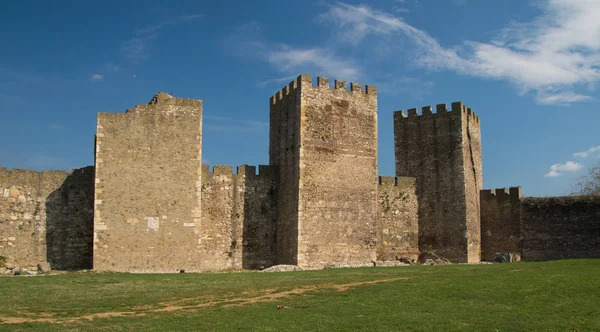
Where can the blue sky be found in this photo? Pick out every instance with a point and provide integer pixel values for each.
(529, 69)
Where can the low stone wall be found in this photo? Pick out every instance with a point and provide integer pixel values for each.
(47, 216)
(500, 221)
(398, 219)
(560, 227)
(539, 228)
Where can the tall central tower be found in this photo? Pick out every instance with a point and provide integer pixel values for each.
(323, 142)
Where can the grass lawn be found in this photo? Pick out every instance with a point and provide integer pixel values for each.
(545, 296)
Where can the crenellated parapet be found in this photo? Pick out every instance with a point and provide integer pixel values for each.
(456, 109)
(306, 81)
(512, 193)
(264, 171)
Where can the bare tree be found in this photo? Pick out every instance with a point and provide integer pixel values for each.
(588, 184)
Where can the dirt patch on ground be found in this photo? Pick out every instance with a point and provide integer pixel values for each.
(266, 295)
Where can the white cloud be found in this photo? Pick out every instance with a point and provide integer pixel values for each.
(560, 169)
(588, 152)
(277, 80)
(322, 60)
(552, 55)
(113, 67)
(136, 49)
(153, 28)
(96, 77)
(291, 60)
(56, 126)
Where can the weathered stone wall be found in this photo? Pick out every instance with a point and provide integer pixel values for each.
(500, 222)
(338, 173)
(47, 217)
(238, 214)
(442, 151)
(284, 156)
(398, 219)
(148, 188)
(260, 213)
(560, 227)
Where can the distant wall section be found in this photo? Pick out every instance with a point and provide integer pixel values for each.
(398, 219)
(560, 227)
(500, 221)
(47, 217)
(539, 228)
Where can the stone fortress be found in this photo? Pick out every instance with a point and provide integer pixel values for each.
(149, 205)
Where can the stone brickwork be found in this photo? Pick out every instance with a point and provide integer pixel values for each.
(500, 222)
(284, 155)
(539, 228)
(327, 157)
(442, 151)
(149, 205)
(560, 227)
(238, 214)
(148, 188)
(398, 219)
(47, 217)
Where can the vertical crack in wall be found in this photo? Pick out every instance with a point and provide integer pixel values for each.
(471, 150)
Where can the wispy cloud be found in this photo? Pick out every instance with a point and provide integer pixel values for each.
(56, 126)
(154, 28)
(96, 77)
(113, 67)
(291, 60)
(553, 55)
(560, 169)
(136, 49)
(595, 150)
(322, 60)
(276, 81)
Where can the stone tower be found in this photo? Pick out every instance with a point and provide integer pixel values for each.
(147, 187)
(323, 141)
(442, 151)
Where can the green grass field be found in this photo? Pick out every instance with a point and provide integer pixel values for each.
(548, 296)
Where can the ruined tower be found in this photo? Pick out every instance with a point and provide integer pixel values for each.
(323, 142)
(442, 151)
(147, 194)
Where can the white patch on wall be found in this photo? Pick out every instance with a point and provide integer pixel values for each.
(153, 223)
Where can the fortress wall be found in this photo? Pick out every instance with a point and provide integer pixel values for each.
(147, 188)
(560, 227)
(260, 213)
(220, 229)
(47, 216)
(442, 151)
(338, 173)
(398, 219)
(500, 222)
(284, 156)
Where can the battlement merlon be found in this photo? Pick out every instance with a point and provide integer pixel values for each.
(250, 171)
(322, 83)
(441, 109)
(512, 193)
